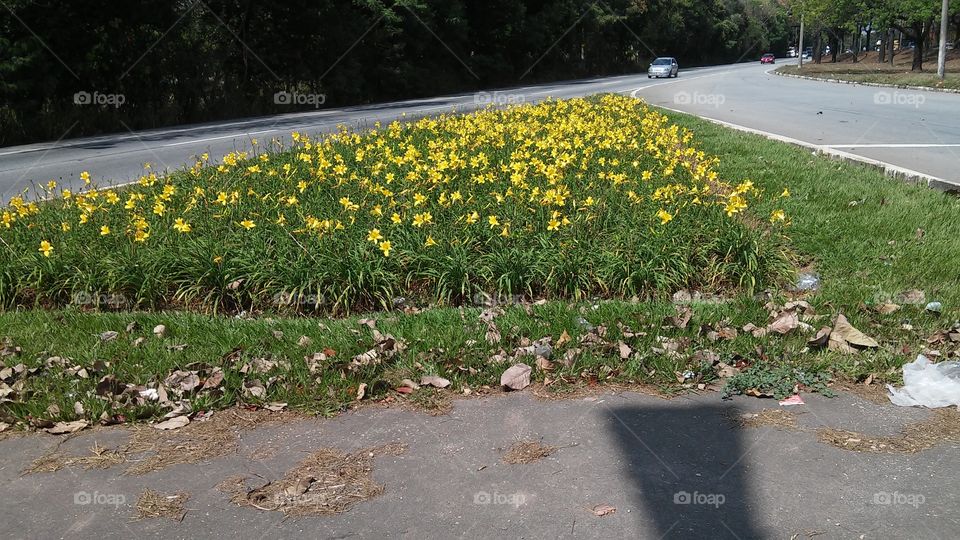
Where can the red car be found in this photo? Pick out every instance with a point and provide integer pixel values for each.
(768, 58)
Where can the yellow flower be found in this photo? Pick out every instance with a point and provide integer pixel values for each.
(418, 199)
(506, 231)
(140, 235)
(553, 225)
(646, 175)
(422, 219)
(65, 227)
(85, 176)
(472, 217)
(493, 221)
(348, 204)
(67, 194)
(374, 236)
(665, 217)
(778, 216)
(385, 247)
(51, 185)
(430, 242)
(182, 226)
(159, 208)
(291, 200)
(84, 218)
(396, 219)
(786, 193)
(247, 224)
(45, 248)
(104, 231)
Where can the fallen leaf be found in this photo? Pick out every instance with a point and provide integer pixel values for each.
(601, 510)
(682, 319)
(160, 330)
(887, 308)
(277, 334)
(67, 427)
(404, 390)
(822, 338)
(304, 342)
(785, 323)
(182, 381)
(173, 423)
(361, 391)
(214, 380)
(254, 389)
(493, 334)
(109, 336)
(369, 323)
(563, 339)
(235, 284)
(516, 377)
(913, 297)
(409, 384)
(625, 350)
(543, 364)
(435, 381)
(725, 371)
(275, 406)
(847, 339)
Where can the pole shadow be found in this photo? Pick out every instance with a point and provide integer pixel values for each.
(686, 464)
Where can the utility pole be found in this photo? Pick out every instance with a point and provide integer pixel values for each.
(800, 55)
(942, 59)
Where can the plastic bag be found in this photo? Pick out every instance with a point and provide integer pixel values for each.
(926, 384)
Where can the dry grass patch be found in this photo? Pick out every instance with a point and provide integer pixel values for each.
(943, 426)
(778, 418)
(152, 504)
(524, 452)
(99, 458)
(326, 482)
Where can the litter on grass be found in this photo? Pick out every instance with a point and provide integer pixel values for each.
(926, 384)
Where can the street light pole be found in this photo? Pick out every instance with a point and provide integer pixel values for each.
(800, 52)
(942, 59)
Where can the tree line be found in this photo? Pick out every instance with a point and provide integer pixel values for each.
(69, 69)
(860, 24)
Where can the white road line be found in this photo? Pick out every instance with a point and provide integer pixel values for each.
(893, 145)
(234, 136)
(634, 93)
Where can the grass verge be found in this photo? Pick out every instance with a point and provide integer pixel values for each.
(874, 242)
(871, 71)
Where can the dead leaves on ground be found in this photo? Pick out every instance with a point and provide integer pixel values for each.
(327, 482)
(152, 504)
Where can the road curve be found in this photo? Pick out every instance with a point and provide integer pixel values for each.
(916, 130)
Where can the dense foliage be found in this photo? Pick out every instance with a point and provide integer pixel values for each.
(186, 61)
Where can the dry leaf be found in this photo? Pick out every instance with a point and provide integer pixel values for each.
(173, 423)
(517, 377)
(493, 334)
(275, 406)
(160, 330)
(543, 364)
(625, 350)
(845, 338)
(785, 323)
(887, 308)
(601, 510)
(682, 319)
(109, 336)
(822, 338)
(725, 371)
(304, 342)
(435, 381)
(361, 391)
(563, 339)
(61, 428)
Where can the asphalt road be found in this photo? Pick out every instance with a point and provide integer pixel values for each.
(916, 130)
(673, 469)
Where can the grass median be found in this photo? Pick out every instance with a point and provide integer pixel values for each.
(873, 242)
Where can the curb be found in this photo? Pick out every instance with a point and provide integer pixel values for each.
(875, 85)
(902, 174)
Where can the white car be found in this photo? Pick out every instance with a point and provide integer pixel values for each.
(663, 67)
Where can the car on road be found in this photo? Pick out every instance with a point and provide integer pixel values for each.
(808, 53)
(792, 52)
(768, 58)
(663, 67)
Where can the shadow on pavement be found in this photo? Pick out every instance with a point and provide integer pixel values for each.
(687, 467)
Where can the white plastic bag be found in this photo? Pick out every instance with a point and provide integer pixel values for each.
(928, 385)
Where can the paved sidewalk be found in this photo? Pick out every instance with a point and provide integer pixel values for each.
(679, 468)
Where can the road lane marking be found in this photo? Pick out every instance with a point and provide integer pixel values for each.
(894, 145)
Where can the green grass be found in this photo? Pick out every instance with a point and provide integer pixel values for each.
(865, 253)
(869, 73)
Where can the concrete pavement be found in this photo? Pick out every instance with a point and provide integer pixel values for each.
(679, 468)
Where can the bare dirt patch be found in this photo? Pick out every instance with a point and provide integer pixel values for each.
(326, 482)
(529, 451)
(152, 504)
